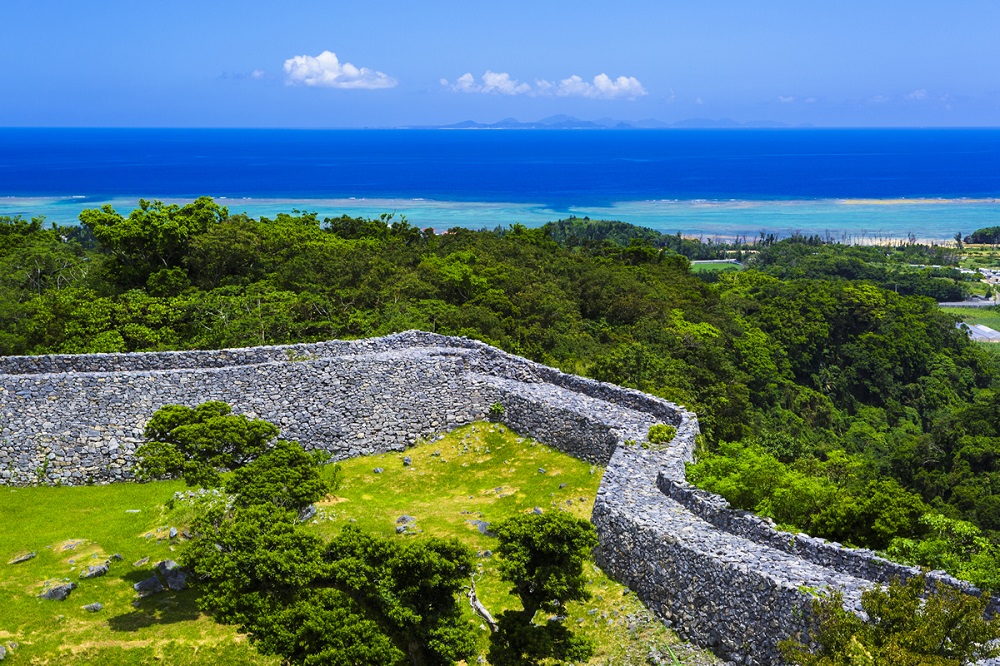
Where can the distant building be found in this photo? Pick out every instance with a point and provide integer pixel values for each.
(980, 333)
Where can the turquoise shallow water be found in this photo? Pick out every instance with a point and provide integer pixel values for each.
(837, 219)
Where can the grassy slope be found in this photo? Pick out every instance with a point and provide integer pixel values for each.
(166, 627)
(483, 472)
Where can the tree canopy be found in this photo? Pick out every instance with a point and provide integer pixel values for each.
(198, 443)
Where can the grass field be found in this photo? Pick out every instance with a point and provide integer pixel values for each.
(480, 472)
(719, 266)
(985, 316)
(980, 256)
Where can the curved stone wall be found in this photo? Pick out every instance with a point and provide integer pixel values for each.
(724, 582)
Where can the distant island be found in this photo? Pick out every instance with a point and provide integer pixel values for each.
(562, 121)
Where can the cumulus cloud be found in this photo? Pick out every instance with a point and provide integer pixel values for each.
(326, 71)
(501, 83)
(602, 87)
(258, 74)
(498, 83)
(917, 95)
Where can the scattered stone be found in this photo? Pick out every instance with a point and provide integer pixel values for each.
(487, 554)
(436, 454)
(131, 510)
(407, 461)
(541, 470)
(71, 545)
(58, 592)
(307, 513)
(24, 557)
(151, 585)
(173, 532)
(139, 563)
(537, 510)
(94, 607)
(117, 557)
(3, 653)
(378, 470)
(95, 571)
(175, 576)
(561, 486)
(483, 527)
(405, 520)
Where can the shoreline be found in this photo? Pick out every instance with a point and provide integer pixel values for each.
(863, 221)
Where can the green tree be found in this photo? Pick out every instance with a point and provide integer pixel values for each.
(155, 236)
(360, 599)
(542, 555)
(199, 443)
(948, 629)
(285, 475)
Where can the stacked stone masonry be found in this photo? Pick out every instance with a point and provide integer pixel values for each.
(726, 581)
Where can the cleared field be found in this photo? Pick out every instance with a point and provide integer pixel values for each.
(705, 266)
(482, 472)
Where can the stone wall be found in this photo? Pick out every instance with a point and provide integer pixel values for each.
(724, 581)
(858, 562)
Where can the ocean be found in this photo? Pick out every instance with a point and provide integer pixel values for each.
(847, 184)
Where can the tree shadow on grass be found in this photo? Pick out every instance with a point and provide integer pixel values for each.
(164, 607)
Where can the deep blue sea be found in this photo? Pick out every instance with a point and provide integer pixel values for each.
(846, 183)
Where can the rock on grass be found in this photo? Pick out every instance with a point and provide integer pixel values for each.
(58, 592)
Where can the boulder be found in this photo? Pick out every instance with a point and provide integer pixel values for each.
(58, 592)
(175, 576)
(94, 607)
(149, 586)
(23, 557)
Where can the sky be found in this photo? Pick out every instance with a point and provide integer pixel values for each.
(380, 63)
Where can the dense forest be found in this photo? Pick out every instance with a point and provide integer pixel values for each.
(833, 394)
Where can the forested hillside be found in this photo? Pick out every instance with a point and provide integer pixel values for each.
(827, 400)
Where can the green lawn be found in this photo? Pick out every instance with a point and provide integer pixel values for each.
(715, 266)
(71, 528)
(479, 472)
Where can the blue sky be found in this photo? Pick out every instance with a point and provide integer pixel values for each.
(221, 63)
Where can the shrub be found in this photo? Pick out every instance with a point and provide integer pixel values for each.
(661, 433)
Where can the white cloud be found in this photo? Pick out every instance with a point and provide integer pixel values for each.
(501, 83)
(604, 87)
(258, 74)
(786, 100)
(917, 95)
(326, 71)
